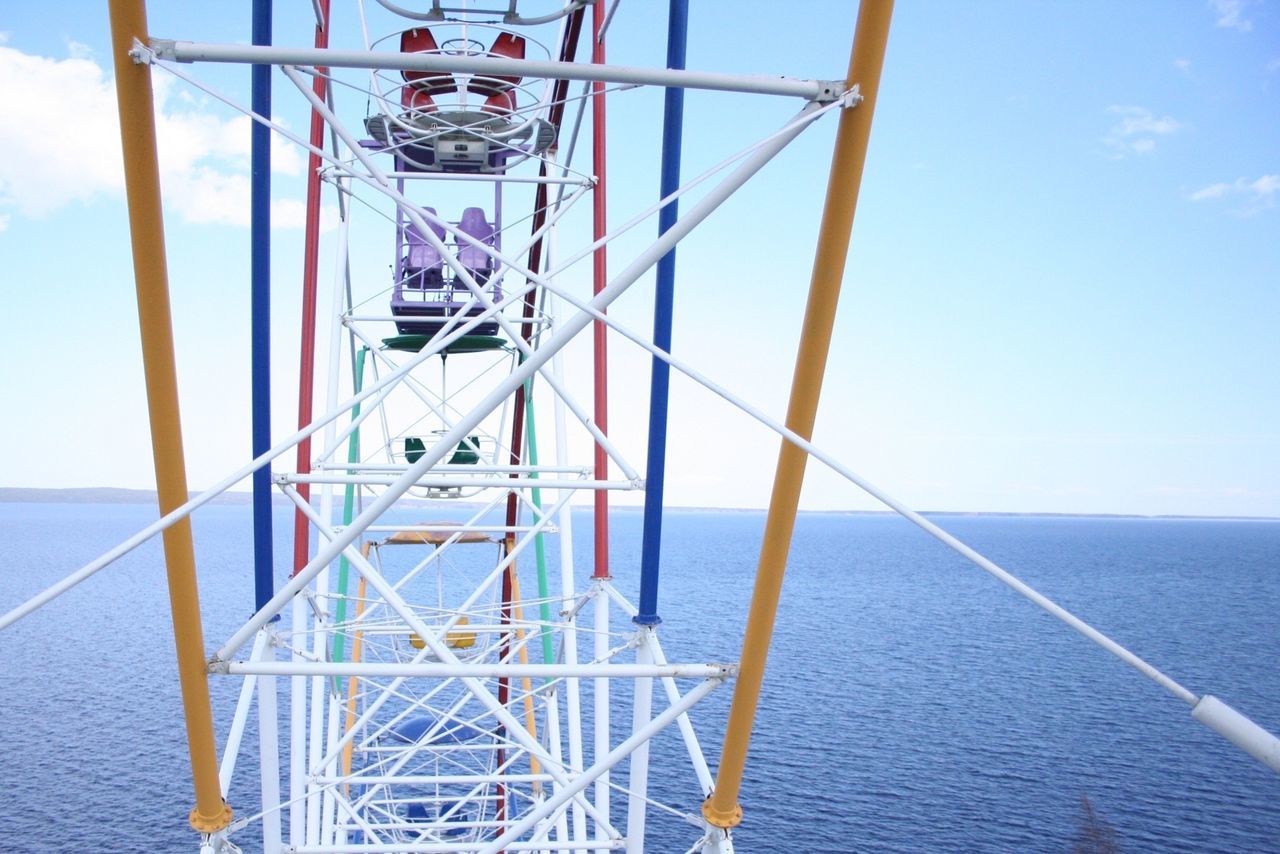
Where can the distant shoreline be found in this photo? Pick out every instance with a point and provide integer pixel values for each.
(114, 495)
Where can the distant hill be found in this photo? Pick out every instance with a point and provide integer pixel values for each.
(113, 495)
(110, 495)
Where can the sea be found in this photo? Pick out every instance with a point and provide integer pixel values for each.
(911, 703)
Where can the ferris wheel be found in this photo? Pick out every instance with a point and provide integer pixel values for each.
(446, 668)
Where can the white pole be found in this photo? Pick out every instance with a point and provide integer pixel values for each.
(551, 695)
(476, 669)
(448, 847)
(231, 750)
(297, 725)
(185, 51)
(638, 785)
(1239, 730)
(269, 757)
(696, 756)
(573, 688)
(600, 625)
(321, 697)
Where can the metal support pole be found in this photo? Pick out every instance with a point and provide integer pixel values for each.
(865, 62)
(310, 265)
(146, 232)
(260, 308)
(664, 297)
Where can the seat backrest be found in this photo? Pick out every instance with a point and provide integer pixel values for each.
(416, 99)
(501, 103)
(506, 46)
(421, 253)
(420, 40)
(476, 224)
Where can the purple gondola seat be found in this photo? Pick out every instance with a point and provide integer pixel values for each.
(427, 299)
(478, 262)
(423, 265)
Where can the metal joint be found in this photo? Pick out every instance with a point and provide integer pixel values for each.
(140, 53)
(158, 49)
(852, 98)
(830, 90)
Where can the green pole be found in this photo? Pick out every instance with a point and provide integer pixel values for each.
(348, 513)
(539, 547)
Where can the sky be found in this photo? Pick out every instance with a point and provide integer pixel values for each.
(1062, 295)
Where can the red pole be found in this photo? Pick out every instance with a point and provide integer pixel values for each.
(600, 272)
(310, 263)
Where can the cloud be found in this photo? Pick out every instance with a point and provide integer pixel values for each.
(1183, 65)
(1231, 14)
(1137, 129)
(60, 143)
(1257, 194)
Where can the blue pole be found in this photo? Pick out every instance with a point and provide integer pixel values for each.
(655, 477)
(260, 309)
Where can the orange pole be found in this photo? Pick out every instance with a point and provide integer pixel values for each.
(146, 229)
(354, 682)
(721, 809)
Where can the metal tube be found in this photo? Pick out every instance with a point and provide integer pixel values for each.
(231, 749)
(435, 481)
(310, 274)
(600, 389)
(443, 847)
(479, 670)
(638, 782)
(269, 760)
(663, 303)
(569, 635)
(865, 62)
(490, 178)
(599, 330)
(185, 51)
(1239, 730)
(146, 232)
(260, 308)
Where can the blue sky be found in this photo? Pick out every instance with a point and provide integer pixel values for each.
(1063, 290)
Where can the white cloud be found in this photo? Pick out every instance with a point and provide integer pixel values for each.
(1183, 65)
(1213, 191)
(79, 50)
(1257, 194)
(1138, 128)
(1231, 14)
(60, 143)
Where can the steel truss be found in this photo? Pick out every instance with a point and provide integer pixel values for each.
(444, 696)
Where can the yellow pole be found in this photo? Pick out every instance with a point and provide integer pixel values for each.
(721, 809)
(142, 188)
(530, 718)
(353, 683)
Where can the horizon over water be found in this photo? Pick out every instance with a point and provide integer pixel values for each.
(911, 702)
